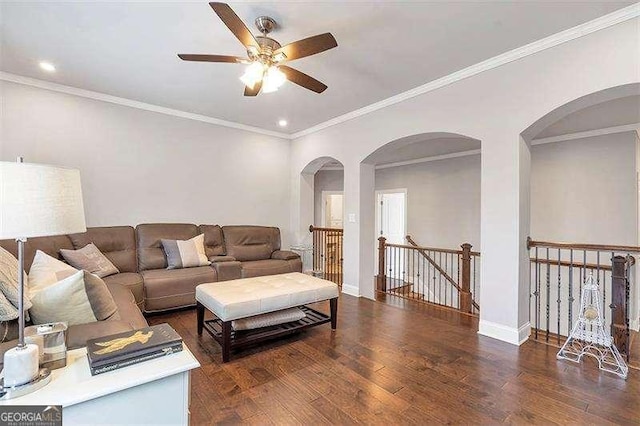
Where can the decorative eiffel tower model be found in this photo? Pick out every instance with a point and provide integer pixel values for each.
(589, 336)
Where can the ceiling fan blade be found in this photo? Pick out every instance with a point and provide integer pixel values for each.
(235, 24)
(302, 79)
(253, 92)
(308, 46)
(212, 58)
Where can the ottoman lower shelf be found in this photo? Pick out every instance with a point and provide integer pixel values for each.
(244, 338)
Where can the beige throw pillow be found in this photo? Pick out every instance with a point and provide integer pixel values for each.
(46, 270)
(9, 283)
(79, 299)
(185, 254)
(91, 260)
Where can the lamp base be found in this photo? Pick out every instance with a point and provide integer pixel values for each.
(10, 392)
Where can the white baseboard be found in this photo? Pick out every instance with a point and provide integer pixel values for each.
(512, 335)
(351, 290)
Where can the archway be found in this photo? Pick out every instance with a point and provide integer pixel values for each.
(322, 181)
(584, 210)
(426, 204)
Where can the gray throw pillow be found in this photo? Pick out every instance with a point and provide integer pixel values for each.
(79, 299)
(185, 254)
(90, 259)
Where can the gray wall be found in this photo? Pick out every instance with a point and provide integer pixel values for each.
(138, 166)
(581, 191)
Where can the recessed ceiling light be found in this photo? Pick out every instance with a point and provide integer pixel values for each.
(47, 66)
(282, 123)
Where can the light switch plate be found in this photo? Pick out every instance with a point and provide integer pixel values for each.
(352, 217)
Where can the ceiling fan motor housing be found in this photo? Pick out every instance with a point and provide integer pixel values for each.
(265, 24)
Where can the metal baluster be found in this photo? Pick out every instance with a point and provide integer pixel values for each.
(559, 294)
(571, 299)
(604, 291)
(548, 293)
(537, 294)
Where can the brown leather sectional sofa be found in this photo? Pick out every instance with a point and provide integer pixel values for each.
(144, 283)
(234, 252)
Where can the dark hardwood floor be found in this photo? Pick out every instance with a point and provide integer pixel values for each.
(399, 362)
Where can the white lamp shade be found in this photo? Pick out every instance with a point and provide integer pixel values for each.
(38, 200)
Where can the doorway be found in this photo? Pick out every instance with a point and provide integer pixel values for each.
(333, 209)
(391, 215)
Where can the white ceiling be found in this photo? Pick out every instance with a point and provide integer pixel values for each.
(128, 49)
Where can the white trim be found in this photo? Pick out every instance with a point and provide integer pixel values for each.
(506, 334)
(377, 211)
(13, 78)
(606, 21)
(588, 134)
(428, 159)
(351, 290)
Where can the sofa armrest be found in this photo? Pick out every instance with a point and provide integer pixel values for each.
(220, 259)
(228, 270)
(284, 255)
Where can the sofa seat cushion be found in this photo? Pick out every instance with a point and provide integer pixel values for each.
(128, 310)
(130, 280)
(231, 300)
(258, 268)
(174, 288)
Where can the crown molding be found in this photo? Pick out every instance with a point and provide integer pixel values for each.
(42, 84)
(606, 21)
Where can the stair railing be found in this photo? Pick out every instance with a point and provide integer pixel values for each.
(432, 275)
(558, 272)
(328, 253)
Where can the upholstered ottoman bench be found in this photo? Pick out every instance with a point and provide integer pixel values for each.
(235, 300)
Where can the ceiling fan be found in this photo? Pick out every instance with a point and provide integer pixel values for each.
(266, 57)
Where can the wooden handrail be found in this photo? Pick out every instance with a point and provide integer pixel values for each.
(423, 252)
(574, 264)
(441, 250)
(581, 246)
(317, 228)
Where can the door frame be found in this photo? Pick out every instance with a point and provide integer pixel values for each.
(377, 210)
(325, 195)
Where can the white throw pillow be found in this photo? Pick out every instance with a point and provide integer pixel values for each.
(63, 301)
(46, 270)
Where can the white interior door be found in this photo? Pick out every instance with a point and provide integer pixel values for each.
(391, 215)
(391, 223)
(333, 209)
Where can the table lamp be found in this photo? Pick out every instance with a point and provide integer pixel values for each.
(35, 201)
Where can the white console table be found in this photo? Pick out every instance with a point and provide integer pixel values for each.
(152, 392)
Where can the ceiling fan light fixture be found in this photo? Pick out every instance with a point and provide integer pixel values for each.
(253, 74)
(273, 79)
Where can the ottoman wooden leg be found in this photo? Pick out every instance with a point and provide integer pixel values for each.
(200, 317)
(333, 303)
(226, 340)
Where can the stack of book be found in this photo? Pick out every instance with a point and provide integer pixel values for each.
(120, 350)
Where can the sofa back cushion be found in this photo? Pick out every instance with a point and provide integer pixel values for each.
(117, 243)
(49, 245)
(150, 252)
(213, 240)
(251, 242)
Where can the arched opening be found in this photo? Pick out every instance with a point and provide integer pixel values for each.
(426, 207)
(585, 160)
(324, 185)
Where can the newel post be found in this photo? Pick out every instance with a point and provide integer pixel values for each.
(465, 298)
(381, 278)
(619, 290)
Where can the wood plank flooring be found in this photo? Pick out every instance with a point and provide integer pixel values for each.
(399, 362)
